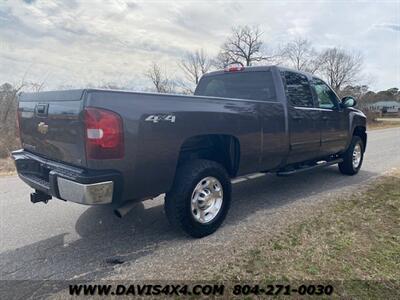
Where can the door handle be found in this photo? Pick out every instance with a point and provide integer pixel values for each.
(42, 109)
(324, 118)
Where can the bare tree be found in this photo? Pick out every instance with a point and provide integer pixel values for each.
(194, 65)
(30, 86)
(244, 46)
(222, 60)
(8, 111)
(162, 83)
(357, 91)
(300, 55)
(340, 68)
(37, 87)
(111, 86)
(8, 101)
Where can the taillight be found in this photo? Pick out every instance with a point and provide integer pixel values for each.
(104, 134)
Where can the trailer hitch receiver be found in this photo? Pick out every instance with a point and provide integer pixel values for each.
(39, 196)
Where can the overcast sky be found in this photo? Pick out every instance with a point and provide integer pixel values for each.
(76, 43)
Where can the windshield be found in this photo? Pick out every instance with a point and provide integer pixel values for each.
(242, 85)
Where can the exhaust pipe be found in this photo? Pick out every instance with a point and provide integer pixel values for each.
(124, 209)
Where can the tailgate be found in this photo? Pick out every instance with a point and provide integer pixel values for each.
(51, 125)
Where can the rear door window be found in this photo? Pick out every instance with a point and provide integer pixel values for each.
(298, 90)
(242, 85)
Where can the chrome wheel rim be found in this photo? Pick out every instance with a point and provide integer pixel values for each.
(356, 156)
(207, 199)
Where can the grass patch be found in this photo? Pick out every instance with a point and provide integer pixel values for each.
(354, 242)
(382, 125)
(7, 166)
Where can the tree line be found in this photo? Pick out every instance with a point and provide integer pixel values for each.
(340, 68)
(245, 46)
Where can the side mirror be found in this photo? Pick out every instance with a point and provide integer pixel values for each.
(348, 101)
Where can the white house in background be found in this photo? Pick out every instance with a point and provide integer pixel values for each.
(385, 106)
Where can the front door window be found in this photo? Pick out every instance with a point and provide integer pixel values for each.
(326, 97)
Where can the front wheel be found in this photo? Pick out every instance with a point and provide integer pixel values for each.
(200, 198)
(353, 157)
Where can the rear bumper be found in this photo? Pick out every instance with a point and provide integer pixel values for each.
(94, 193)
(66, 182)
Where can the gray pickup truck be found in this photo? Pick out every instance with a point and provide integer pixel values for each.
(95, 146)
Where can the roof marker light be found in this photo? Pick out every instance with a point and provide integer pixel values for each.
(234, 68)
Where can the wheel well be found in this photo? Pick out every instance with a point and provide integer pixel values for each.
(224, 149)
(360, 131)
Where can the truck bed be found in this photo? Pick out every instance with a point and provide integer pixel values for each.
(155, 128)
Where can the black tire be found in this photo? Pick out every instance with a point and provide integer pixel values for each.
(178, 207)
(347, 167)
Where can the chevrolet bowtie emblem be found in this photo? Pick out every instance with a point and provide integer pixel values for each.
(43, 127)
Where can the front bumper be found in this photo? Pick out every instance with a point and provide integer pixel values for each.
(66, 182)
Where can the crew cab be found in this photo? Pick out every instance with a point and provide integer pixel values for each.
(98, 147)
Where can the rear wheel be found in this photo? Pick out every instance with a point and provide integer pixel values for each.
(353, 157)
(200, 198)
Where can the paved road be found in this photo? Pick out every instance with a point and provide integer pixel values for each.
(66, 240)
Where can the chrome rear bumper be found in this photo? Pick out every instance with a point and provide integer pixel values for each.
(84, 186)
(89, 194)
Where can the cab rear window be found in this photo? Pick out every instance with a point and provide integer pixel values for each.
(240, 85)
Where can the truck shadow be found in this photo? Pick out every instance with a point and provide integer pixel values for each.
(106, 241)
